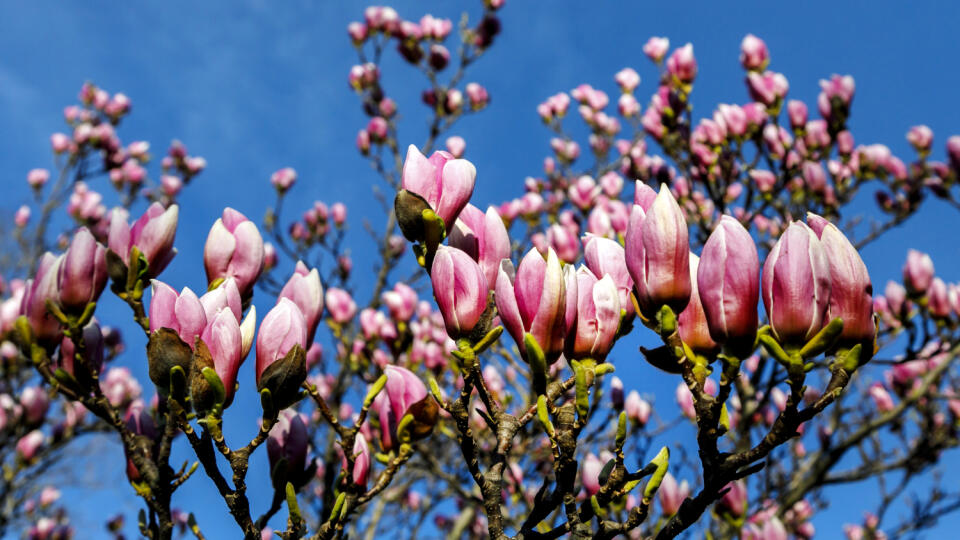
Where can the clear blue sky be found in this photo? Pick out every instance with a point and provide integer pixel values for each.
(254, 87)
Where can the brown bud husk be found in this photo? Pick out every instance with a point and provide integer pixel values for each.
(165, 350)
(409, 208)
(204, 395)
(116, 268)
(284, 377)
(662, 358)
(425, 415)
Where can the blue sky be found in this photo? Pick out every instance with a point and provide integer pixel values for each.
(253, 87)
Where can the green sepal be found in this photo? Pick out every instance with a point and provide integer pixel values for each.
(24, 331)
(434, 231)
(435, 390)
(849, 359)
(662, 462)
(87, 314)
(775, 350)
(488, 339)
(66, 379)
(606, 470)
(603, 369)
(266, 402)
(538, 363)
(338, 505)
(543, 416)
(582, 390)
(292, 505)
(375, 389)
(403, 429)
(219, 393)
(724, 418)
(667, 320)
(824, 339)
(595, 505)
(621, 430)
(215, 283)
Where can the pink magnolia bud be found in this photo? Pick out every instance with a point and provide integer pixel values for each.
(682, 64)
(403, 389)
(22, 216)
(83, 273)
(797, 111)
(764, 180)
(638, 409)
(920, 137)
(363, 141)
(224, 340)
(119, 386)
(953, 150)
(836, 95)
(29, 445)
(444, 182)
(692, 322)
(532, 299)
(767, 87)
(456, 146)
(627, 79)
(753, 53)
(60, 143)
(93, 343)
(269, 256)
(938, 300)
(305, 290)
(671, 494)
(37, 292)
(918, 272)
(616, 393)
(153, 234)
(605, 257)
(483, 237)
(283, 179)
(477, 95)
(282, 329)
(225, 296)
(656, 48)
(357, 32)
(340, 305)
(851, 293)
(796, 285)
(234, 249)
(289, 440)
(881, 398)
(37, 178)
(35, 404)
(564, 242)
(361, 460)
(658, 254)
(734, 501)
(183, 313)
(401, 301)
(460, 287)
(597, 317)
(590, 474)
(377, 128)
(896, 297)
(729, 283)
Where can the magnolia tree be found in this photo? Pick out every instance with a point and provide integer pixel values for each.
(485, 403)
